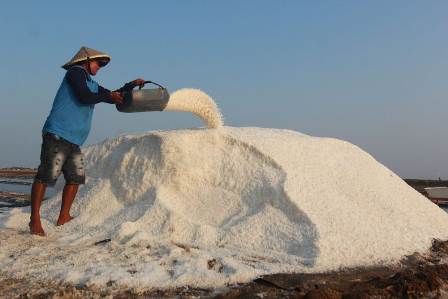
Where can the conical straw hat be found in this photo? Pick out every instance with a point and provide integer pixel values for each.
(86, 53)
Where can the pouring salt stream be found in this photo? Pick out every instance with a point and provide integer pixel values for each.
(187, 100)
(255, 201)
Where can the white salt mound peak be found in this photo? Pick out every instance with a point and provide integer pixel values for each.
(205, 208)
(198, 103)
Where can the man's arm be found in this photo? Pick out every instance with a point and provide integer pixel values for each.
(77, 79)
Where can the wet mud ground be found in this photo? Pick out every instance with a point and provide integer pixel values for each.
(416, 276)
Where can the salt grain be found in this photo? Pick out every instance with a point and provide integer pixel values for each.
(198, 103)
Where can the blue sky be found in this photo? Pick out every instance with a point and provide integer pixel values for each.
(370, 72)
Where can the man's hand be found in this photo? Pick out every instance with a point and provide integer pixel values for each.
(139, 82)
(117, 98)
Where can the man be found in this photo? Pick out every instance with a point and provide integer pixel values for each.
(67, 128)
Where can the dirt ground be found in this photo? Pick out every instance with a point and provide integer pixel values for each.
(18, 172)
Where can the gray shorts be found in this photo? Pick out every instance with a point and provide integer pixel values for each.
(59, 155)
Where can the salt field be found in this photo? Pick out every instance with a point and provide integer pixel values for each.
(213, 206)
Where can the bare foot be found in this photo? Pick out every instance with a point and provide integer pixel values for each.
(36, 228)
(62, 220)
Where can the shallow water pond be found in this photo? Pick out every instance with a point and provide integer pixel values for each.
(13, 186)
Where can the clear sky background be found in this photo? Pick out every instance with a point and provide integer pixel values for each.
(370, 72)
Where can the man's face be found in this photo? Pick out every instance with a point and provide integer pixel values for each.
(94, 67)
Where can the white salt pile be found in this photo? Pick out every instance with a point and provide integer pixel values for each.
(198, 103)
(206, 207)
(210, 207)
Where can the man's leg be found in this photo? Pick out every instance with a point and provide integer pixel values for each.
(68, 195)
(52, 157)
(37, 194)
(74, 175)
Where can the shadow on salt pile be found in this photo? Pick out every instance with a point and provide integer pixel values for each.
(215, 192)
